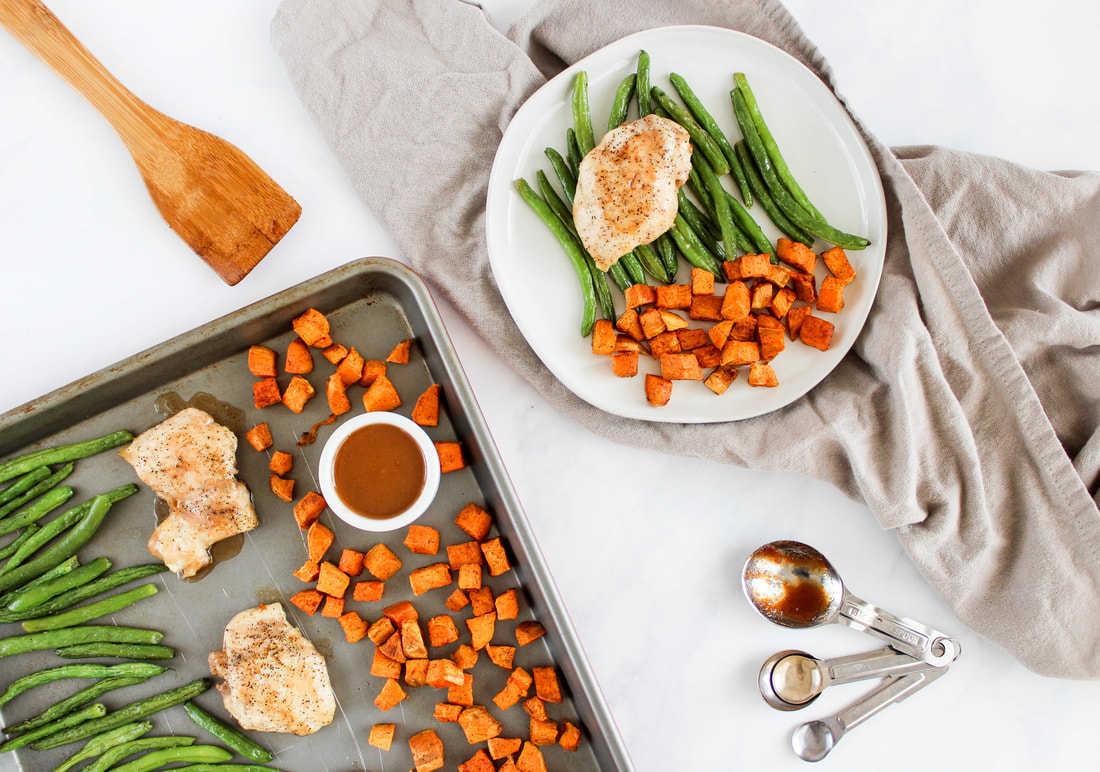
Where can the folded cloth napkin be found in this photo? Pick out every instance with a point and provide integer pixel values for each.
(966, 416)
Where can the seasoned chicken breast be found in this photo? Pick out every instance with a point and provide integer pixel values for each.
(190, 461)
(626, 187)
(274, 679)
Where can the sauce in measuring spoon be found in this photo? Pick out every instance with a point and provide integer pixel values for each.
(378, 471)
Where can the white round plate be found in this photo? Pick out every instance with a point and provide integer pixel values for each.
(821, 144)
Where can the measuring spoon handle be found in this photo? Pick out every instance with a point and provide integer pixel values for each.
(905, 635)
(871, 664)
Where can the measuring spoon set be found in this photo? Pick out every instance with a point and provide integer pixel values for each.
(793, 585)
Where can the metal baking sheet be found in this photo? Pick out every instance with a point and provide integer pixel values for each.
(373, 304)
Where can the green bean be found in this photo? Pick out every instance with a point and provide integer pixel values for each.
(61, 569)
(651, 263)
(45, 485)
(582, 117)
(573, 150)
(51, 529)
(36, 511)
(621, 103)
(67, 545)
(92, 611)
(772, 147)
(692, 249)
(17, 466)
(90, 713)
(70, 636)
(133, 712)
(562, 172)
(118, 650)
(22, 485)
(699, 137)
(43, 677)
(704, 229)
(116, 754)
(105, 743)
(223, 768)
(706, 120)
(72, 702)
(573, 250)
(12, 547)
(207, 754)
(553, 200)
(696, 186)
(227, 734)
(722, 212)
(666, 250)
(619, 276)
(768, 203)
(92, 589)
(633, 268)
(783, 200)
(749, 226)
(645, 107)
(38, 595)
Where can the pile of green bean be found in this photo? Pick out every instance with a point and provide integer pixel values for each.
(709, 230)
(42, 584)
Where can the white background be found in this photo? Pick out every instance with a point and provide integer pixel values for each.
(649, 571)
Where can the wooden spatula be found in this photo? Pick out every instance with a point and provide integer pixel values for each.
(214, 196)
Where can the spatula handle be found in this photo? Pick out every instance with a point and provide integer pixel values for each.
(43, 34)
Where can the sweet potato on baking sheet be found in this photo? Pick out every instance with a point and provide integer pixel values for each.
(308, 509)
(479, 762)
(422, 540)
(400, 353)
(462, 694)
(313, 328)
(381, 395)
(261, 362)
(426, 410)
(319, 538)
(281, 463)
(478, 724)
(335, 353)
(259, 437)
(298, 359)
(427, 751)
(334, 607)
(391, 694)
(381, 736)
(450, 456)
(381, 562)
(297, 393)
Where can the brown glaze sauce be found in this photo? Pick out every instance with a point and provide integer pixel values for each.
(378, 471)
(803, 602)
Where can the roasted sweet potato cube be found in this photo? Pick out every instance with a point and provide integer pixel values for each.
(501, 656)
(546, 683)
(381, 395)
(797, 254)
(664, 343)
(281, 462)
(708, 356)
(535, 707)
(673, 321)
(465, 657)
(381, 562)
(720, 380)
(543, 732)
(335, 353)
(782, 302)
(372, 369)
(779, 276)
(427, 751)
(426, 410)
(312, 327)
(261, 362)
(282, 487)
(422, 540)
(381, 736)
(640, 295)
(507, 604)
(478, 724)
(416, 672)
(457, 600)
(446, 712)
(443, 674)
(469, 577)
(674, 296)
(528, 632)
(309, 571)
(816, 332)
(837, 263)
(298, 358)
(393, 648)
(762, 295)
(624, 364)
(732, 270)
(736, 353)
(462, 694)
(603, 338)
(744, 329)
(570, 737)
(308, 600)
(298, 393)
(652, 323)
(381, 631)
(450, 456)
(507, 697)
(624, 344)
(350, 369)
(479, 762)
(266, 392)
(412, 640)
(481, 600)
(496, 557)
(429, 578)
(400, 353)
(391, 694)
(706, 308)
(771, 342)
(753, 266)
(334, 607)
(308, 509)
(530, 759)
(467, 552)
(720, 333)
(681, 366)
(400, 612)
(767, 320)
(737, 302)
(509, 765)
(355, 629)
(658, 390)
(628, 323)
(351, 562)
(319, 538)
(830, 298)
(332, 581)
(762, 374)
(368, 591)
(795, 317)
(691, 339)
(702, 282)
(804, 287)
(500, 747)
(482, 629)
(337, 396)
(474, 521)
(259, 436)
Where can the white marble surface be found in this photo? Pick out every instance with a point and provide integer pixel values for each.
(649, 572)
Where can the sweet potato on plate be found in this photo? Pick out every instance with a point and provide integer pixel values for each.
(629, 324)
(830, 298)
(816, 332)
(837, 263)
(737, 302)
(706, 308)
(796, 254)
(640, 295)
(603, 338)
(755, 266)
(720, 380)
(657, 390)
(681, 366)
(624, 364)
(762, 374)
(674, 296)
(653, 324)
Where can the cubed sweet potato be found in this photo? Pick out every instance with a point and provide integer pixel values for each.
(281, 462)
(737, 302)
(381, 736)
(351, 562)
(381, 562)
(640, 295)
(779, 276)
(381, 395)
(507, 604)
(652, 323)
(481, 600)
(422, 540)
(309, 571)
(261, 362)
(416, 672)
(755, 266)
(528, 632)
(804, 287)
(446, 712)
(830, 298)
(259, 436)
(496, 557)
(762, 295)
(797, 254)
(708, 356)
(658, 390)
(535, 707)
(298, 359)
(265, 392)
(469, 577)
(429, 578)
(332, 581)
(530, 759)
(681, 366)
(337, 395)
(459, 555)
(732, 270)
(673, 321)
(482, 629)
(507, 697)
(702, 282)
(762, 374)
(522, 680)
(629, 324)
(837, 263)
(400, 353)
(664, 343)
(719, 333)
(391, 694)
(319, 538)
(462, 694)
(479, 762)
(745, 329)
(771, 342)
(674, 296)
(465, 657)
(546, 683)
(603, 338)
(450, 456)
(570, 737)
(350, 369)
(355, 629)
(426, 410)
(335, 353)
(298, 392)
(816, 332)
(478, 724)
(334, 607)
(795, 317)
(401, 612)
(442, 630)
(443, 674)
(500, 747)
(691, 339)
(706, 308)
(368, 591)
(737, 352)
(624, 364)
(457, 601)
(782, 302)
(313, 328)
(720, 380)
(542, 731)
(372, 369)
(308, 600)
(381, 631)
(412, 640)
(501, 656)
(308, 509)
(427, 751)
(474, 521)
(392, 648)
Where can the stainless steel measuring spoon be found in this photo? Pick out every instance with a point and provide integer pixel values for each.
(791, 680)
(792, 584)
(813, 740)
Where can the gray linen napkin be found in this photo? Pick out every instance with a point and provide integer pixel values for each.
(967, 414)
